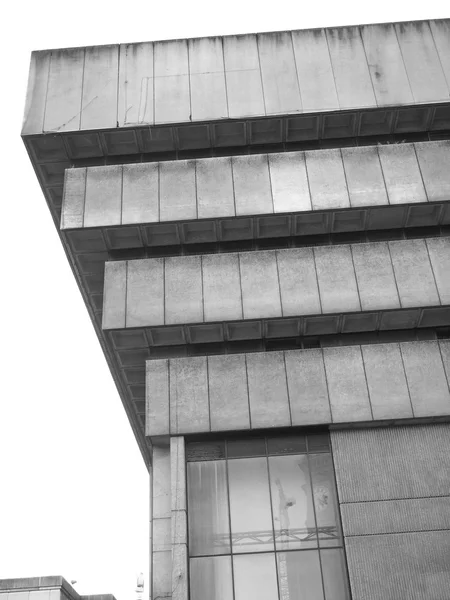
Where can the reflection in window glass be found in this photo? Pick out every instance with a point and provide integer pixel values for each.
(255, 577)
(333, 568)
(325, 500)
(243, 448)
(251, 519)
(293, 510)
(211, 578)
(209, 529)
(299, 575)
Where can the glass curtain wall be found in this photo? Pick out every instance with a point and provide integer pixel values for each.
(264, 521)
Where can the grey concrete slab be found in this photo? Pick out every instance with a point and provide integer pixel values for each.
(72, 214)
(215, 194)
(269, 401)
(327, 180)
(221, 287)
(99, 99)
(351, 73)
(178, 198)
(228, 392)
(171, 84)
(439, 251)
(422, 62)
(307, 385)
(103, 198)
(243, 76)
(364, 177)
(315, 73)
(290, 189)
(402, 174)
(260, 287)
(161, 541)
(392, 462)
(278, 73)
(179, 527)
(189, 403)
(298, 282)
(207, 79)
(427, 382)
(336, 276)
(440, 29)
(63, 94)
(386, 66)
(177, 474)
(33, 120)
(347, 386)
(157, 397)
(434, 158)
(386, 380)
(407, 565)
(162, 574)
(183, 290)
(375, 276)
(252, 184)
(140, 193)
(444, 346)
(180, 572)
(145, 292)
(413, 273)
(161, 496)
(114, 297)
(135, 98)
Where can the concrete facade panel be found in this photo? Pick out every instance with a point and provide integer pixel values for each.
(444, 346)
(433, 162)
(351, 73)
(145, 292)
(72, 214)
(413, 273)
(422, 61)
(402, 174)
(114, 297)
(243, 76)
(140, 193)
(183, 290)
(189, 403)
(207, 79)
(278, 73)
(327, 180)
(440, 30)
(386, 66)
(375, 276)
(386, 380)
(289, 182)
(252, 184)
(298, 282)
(135, 98)
(157, 397)
(33, 119)
(178, 474)
(405, 565)
(171, 84)
(307, 385)
(228, 392)
(103, 200)
(439, 252)
(215, 193)
(63, 93)
(101, 68)
(336, 276)
(427, 382)
(161, 482)
(179, 572)
(347, 386)
(178, 199)
(392, 463)
(162, 574)
(315, 73)
(221, 287)
(268, 393)
(364, 176)
(260, 287)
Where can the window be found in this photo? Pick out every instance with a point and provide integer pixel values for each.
(264, 521)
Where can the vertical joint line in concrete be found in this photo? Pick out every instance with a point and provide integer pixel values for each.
(260, 73)
(225, 77)
(126, 293)
(287, 387)
(395, 276)
(368, 67)
(296, 70)
(189, 80)
(406, 378)
(241, 291)
(324, 362)
(432, 271)
(346, 179)
(443, 364)
(382, 174)
(404, 63)
(270, 183)
(248, 391)
(46, 91)
(202, 287)
(279, 281)
(317, 277)
(439, 58)
(356, 277)
(118, 86)
(232, 184)
(154, 83)
(208, 392)
(332, 69)
(82, 88)
(121, 194)
(420, 171)
(367, 381)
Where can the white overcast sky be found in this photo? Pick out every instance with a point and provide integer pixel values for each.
(73, 485)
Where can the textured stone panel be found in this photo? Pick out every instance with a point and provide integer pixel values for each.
(157, 397)
(375, 276)
(177, 474)
(228, 392)
(396, 516)
(171, 84)
(327, 180)
(189, 402)
(439, 251)
(364, 176)
(402, 174)
(215, 194)
(260, 287)
(252, 184)
(440, 29)
(405, 565)
(298, 282)
(207, 79)
(183, 290)
(72, 214)
(177, 190)
(102, 205)
(336, 276)
(145, 292)
(161, 497)
(101, 67)
(162, 574)
(135, 84)
(386, 380)
(114, 298)
(140, 193)
(392, 463)
(427, 382)
(289, 182)
(221, 287)
(433, 161)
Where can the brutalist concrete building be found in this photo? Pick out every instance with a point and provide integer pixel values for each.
(259, 225)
